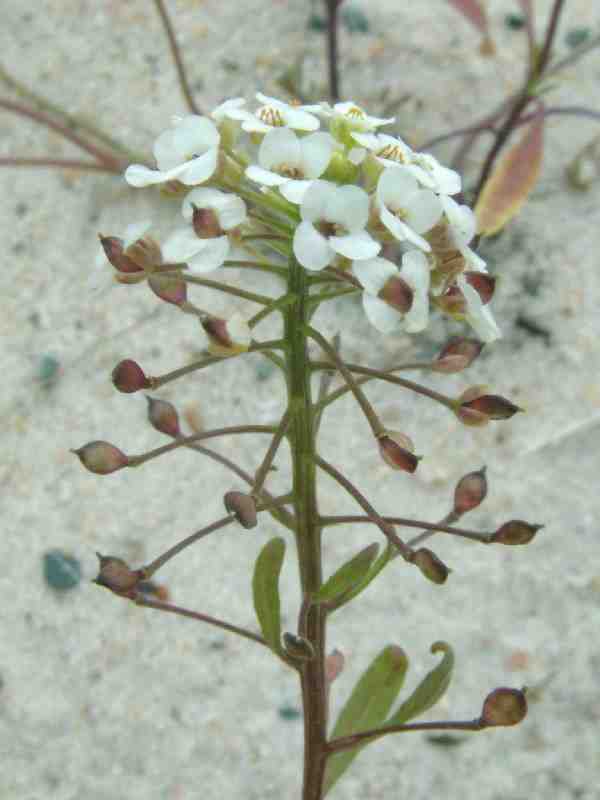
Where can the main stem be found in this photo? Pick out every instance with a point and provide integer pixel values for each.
(308, 531)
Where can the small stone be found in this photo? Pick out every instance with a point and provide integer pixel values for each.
(515, 22)
(48, 370)
(61, 571)
(355, 19)
(289, 712)
(316, 23)
(577, 36)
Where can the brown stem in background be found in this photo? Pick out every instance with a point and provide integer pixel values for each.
(176, 54)
(59, 163)
(332, 8)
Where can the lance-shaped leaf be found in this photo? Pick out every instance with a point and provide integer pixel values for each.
(368, 706)
(429, 691)
(265, 588)
(374, 570)
(347, 576)
(475, 12)
(509, 185)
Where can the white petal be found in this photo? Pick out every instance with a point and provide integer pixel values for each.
(311, 248)
(301, 120)
(164, 151)
(316, 200)
(200, 169)
(138, 175)
(238, 330)
(222, 112)
(473, 260)
(349, 206)
(423, 210)
(135, 231)
(195, 135)
(294, 190)
(415, 271)
(265, 176)
(374, 273)
(356, 155)
(316, 152)
(255, 125)
(368, 140)
(280, 146)
(357, 246)
(232, 213)
(182, 245)
(478, 315)
(383, 317)
(211, 256)
(394, 185)
(461, 219)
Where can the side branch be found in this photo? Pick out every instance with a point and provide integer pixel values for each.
(348, 742)
(176, 54)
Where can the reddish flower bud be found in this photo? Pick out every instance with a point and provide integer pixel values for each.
(205, 223)
(334, 665)
(129, 377)
(452, 301)
(430, 565)
(493, 406)
(169, 288)
(101, 458)
(227, 336)
(298, 647)
(398, 294)
(483, 284)
(397, 450)
(457, 355)
(515, 532)
(113, 250)
(117, 576)
(470, 491)
(504, 707)
(145, 252)
(163, 417)
(243, 506)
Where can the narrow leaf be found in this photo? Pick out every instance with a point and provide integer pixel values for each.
(347, 576)
(367, 706)
(474, 12)
(429, 691)
(374, 570)
(265, 588)
(509, 185)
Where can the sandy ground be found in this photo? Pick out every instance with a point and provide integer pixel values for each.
(102, 700)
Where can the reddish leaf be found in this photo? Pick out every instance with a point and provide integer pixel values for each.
(475, 12)
(509, 185)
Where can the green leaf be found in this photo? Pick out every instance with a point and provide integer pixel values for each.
(368, 705)
(374, 570)
(429, 691)
(347, 576)
(265, 589)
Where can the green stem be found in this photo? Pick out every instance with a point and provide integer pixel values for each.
(263, 299)
(308, 537)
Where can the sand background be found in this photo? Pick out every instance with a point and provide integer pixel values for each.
(100, 699)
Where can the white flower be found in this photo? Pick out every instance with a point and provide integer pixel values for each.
(291, 163)
(407, 303)
(187, 152)
(100, 277)
(222, 112)
(353, 116)
(333, 222)
(405, 208)
(387, 150)
(478, 314)
(276, 114)
(205, 247)
(430, 173)
(463, 226)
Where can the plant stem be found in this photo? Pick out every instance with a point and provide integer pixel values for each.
(348, 742)
(263, 299)
(262, 471)
(176, 54)
(433, 527)
(308, 536)
(58, 163)
(155, 565)
(332, 48)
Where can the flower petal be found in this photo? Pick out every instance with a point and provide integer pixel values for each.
(200, 169)
(374, 273)
(356, 246)
(135, 231)
(279, 147)
(211, 256)
(182, 245)
(265, 176)
(415, 271)
(478, 315)
(423, 210)
(311, 248)
(316, 150)
(349, 206)
(195, 135)
(394, 185)
(294, 190)
(316, 200)
(383, 317)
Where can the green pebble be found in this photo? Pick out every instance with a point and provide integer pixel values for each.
(577, 36)
(316, 23)
(289, 712)
(48, 369)
(355, 20)
(514, 21)
(61, 572)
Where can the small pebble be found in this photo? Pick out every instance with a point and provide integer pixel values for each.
(48, 370)
(355, 20)
(61, 571)
(289, 712)
(577, 36)
(316, 23)
(514, 21)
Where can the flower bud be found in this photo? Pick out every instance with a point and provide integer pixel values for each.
(430, 565)
(163, 417)
(504, 707)
(457, 355)
(227, 337)
(515, 532)
(452, 301)
(116, 575)
(397, 294)
(493, 406)
(470, 491)
(397, 450)
(129, 377)
(205, 223)
(483, 284)
(145, 252)
(298, 647)
(101, 458)
(243, 506)
(113, 250)
(169, 288)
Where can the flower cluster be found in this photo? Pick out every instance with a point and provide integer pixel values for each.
(352, 201)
